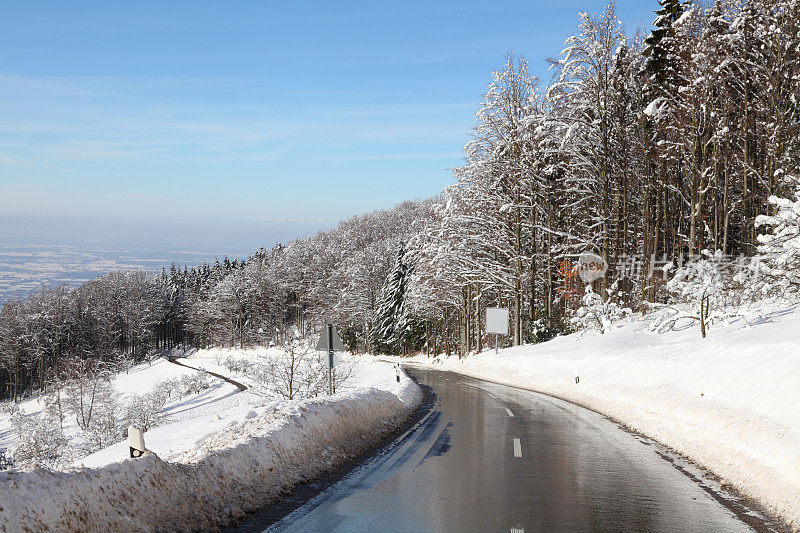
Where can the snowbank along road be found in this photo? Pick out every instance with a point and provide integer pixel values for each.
(493, 458)
(238, 469)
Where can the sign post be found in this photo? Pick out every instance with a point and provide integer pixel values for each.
(497, 323)
(329, 342)
(330, 359)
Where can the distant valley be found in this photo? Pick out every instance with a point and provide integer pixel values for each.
(24, 267)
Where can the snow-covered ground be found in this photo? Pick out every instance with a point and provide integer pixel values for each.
(730, 402)
(140, 379)
(192, 420)
(220, 453)
(366, 371)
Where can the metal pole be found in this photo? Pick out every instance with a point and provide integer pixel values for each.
(330, 359)
(496, 349)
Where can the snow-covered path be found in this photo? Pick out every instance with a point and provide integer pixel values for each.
(242, 388)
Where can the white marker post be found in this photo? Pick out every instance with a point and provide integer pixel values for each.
(497, 323)
(136, 438)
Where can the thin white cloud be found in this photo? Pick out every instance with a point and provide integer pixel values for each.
(379, 157)
(54, 124)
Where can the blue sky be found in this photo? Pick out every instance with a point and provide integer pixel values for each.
(259, 111)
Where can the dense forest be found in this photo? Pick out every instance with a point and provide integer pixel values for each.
(670, 155)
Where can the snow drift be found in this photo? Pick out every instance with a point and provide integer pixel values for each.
(236, 470)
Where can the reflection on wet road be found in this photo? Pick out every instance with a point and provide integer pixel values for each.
(495, 458)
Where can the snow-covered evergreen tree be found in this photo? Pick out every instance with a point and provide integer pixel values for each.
(409, 332)
(658, 51)
(385, 338)
(780, 249)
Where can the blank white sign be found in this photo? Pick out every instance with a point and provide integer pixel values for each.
(497, 320)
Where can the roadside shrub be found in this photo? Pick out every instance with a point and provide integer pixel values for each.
(9, 408)
(143, 411)
(6, 461)
(194, 383)
(168, 389)
(236, 365)
(542, 331)
(41, 441)
(598, 313)
(104, 429)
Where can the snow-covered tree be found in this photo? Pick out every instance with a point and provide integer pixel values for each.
(40, 440)
(144, 411)
(194, 383)
(6, 461)
(390, 306)
(104, 428)
(587, 93)
(599, 313)
(87, 390)
(703, 283)
(295, 372)
(780, 248)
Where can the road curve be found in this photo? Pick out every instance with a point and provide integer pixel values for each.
(242, 388)
(494, 458)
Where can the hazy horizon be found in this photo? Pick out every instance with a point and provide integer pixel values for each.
(38, 250)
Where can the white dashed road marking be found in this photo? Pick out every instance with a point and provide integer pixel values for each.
(510, 413)
(517, 448)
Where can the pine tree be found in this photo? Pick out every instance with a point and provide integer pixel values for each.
(657, 49)
(390, 306)
(409, 332)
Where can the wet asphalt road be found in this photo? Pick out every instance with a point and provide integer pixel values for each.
(495, 458)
